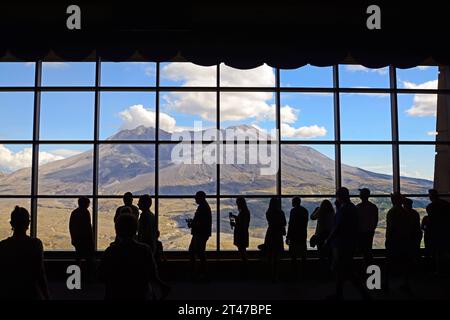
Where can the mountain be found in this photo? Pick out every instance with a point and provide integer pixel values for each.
(131, 167)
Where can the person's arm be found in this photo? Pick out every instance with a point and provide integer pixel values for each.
(290, 226)
(388, 229)
(42, 278)
(315, 214)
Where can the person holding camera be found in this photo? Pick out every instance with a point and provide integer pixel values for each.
(240, 224)
(200, 227)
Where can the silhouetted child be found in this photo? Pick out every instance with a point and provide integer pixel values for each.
(22, 272)
(273, 242)
(147, 222)
(241, 223)
(128, 267)
(297, 231)
(82, 236)
(159, 253)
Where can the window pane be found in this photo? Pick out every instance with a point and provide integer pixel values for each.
(186, 74)
(421, 77)
(53, 223)
(263, 76)
(367, 166)
(417, 163)
(185, 112)
(123, 74)
(307, 169)
(67, 116)
(258, 222)
(16, 115)
(15, 169)
(241, 111)
(357, 76)
(20, 74)
(68, 73)
(182, 170)
(365, 117)
(248, 168)
(417, 116)
(127, 116)
(307, 76)
(307, 116)
(175, 235)
(126, 167)
(6, 207)
(65, 169)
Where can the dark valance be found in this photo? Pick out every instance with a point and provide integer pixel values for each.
(285, 34)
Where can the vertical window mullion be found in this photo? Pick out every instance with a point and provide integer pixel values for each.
(278, 124)
(35, 147)
(156, 177)
(218, 158)
(394, 128)
(96, 151)
(337, 127)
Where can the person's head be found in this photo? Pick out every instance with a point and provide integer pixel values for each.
(126, 226)
(396, 199)
(200, 197)
(326, 205)
(20, 219)
(433, 194)
(145, 202)
(274, 203)
(241, 203)
(342, 195)
(408, 203)
(128, 199)
(126, 210)
(364, 194)
(296, 201)
(83, 202)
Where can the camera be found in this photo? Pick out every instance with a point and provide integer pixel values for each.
(232, 220)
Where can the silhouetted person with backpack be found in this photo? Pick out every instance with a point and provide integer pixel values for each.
(201, 226)
(22, 272)
(128, 202)
(147, 228)
(82, 236)
(324, 214)
(367, 224)
(128, 267)
(273, 242)
(438, 227)
(343, 241)
(241, 223)
(401, 239)
(297, 233)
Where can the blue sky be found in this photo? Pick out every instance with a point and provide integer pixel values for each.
(307, 116)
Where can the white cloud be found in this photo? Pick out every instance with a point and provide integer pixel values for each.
(190, 74)
(11, 161)
(432, 133)
(313, 131)
(137, 115)
(423, 67)
(55, 65)
(423, 104)
(359, 68)
(288, 114)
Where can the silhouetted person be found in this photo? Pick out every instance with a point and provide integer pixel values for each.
(128, 202)
(22, 273)
(297, 231)
(81, 234)
(325, 220)
(425, 226)
(343, 241)
(401, 235)
(273, 243)
(367, 224)
(438, 228)
(128, 266)
(159, 253)
(241, 223)
(147, 223)
(201, 231)
(408, 206)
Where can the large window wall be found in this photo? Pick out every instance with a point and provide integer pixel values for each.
(102, 128)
